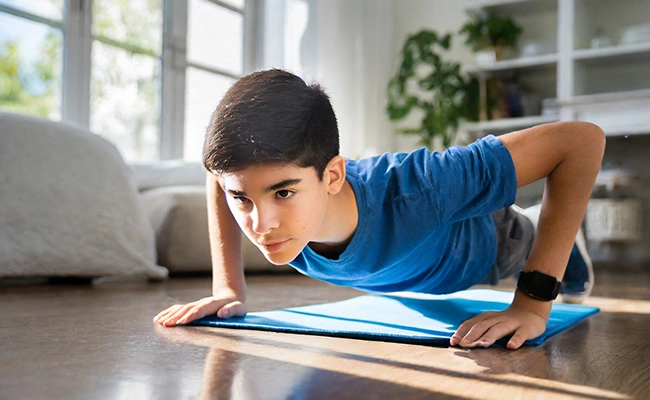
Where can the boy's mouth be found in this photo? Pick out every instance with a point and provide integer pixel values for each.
(274, 246)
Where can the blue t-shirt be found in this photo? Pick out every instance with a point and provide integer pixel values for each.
(424, 220)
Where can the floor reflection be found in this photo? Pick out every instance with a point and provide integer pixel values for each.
(267, 365)
(234, 370)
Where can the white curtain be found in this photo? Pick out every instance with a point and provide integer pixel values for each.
(347, 47)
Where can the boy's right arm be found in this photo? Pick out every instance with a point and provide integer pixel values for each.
(228, 283)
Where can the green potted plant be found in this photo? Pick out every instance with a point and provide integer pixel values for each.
(492, 38)
(425, 81)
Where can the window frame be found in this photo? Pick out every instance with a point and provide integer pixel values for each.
(65, 29)
(76, 28)
(175, 65)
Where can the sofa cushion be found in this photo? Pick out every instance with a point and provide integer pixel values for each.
(168, 173)
(68, 206)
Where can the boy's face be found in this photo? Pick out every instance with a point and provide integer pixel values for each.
(279, 207)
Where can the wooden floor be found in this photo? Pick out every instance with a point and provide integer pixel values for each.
(97, 342)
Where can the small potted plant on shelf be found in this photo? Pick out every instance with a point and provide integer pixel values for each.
(435, 87)
(492, 38)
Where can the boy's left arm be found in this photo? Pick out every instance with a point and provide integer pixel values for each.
(569, 155)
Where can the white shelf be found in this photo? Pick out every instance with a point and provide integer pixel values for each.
(544, 60)
(509, 124)
(628, 130)
(479, 7)
(481, 4)
(605, 53)
(606, 97)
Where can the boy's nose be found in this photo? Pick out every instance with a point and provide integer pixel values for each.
(264, 220)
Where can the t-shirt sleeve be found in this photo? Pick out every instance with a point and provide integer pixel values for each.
(471, 181)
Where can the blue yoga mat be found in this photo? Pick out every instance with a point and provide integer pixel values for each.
(425, 319)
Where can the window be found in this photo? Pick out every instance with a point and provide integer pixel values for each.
(126, 75)
(146, 74)
(215, 54)
(31, 45)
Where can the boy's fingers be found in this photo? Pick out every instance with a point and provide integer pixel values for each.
(183, 314)
(460, 333)
(465, 327)
(495, 333)
(177, 315)
(484, 333)
(475, 333)
(517, 339)
(201, 308)
(166, 311)
(197, 312)
(233, 309)
(456, 337)
(470, 330)
(163, 314)
(187, 313)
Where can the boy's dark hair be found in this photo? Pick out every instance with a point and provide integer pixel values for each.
(270, 117)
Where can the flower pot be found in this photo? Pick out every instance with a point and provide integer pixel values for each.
(490, 55)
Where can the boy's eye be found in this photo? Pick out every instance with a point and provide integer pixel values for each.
(284, 194)
(240, 199)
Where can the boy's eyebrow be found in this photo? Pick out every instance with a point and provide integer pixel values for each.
(272, 188)
(236, 193)
(282, 184)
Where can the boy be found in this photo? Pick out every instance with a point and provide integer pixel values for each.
(422, 222)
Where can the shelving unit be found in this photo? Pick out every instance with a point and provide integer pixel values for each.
(605, 81)
(607, 85)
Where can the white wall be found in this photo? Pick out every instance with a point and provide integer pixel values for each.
(443, 16)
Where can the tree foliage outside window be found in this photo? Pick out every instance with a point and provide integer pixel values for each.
(126, 75)
(30, 70)
(136, 23)
(50, 9)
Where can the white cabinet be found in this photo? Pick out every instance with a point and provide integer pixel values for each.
(591, 56)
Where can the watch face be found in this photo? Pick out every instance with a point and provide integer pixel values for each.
(538, 285)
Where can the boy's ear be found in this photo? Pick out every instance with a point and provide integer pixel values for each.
(335, 174)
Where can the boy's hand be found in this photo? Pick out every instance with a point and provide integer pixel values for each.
(186, 313)
(524, 319)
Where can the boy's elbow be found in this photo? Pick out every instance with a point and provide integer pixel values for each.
(595, 133)
(595, 138)
(587, 137)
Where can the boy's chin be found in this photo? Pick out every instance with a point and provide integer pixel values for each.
(280, 258)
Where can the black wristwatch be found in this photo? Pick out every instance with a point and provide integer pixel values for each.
(539, 286)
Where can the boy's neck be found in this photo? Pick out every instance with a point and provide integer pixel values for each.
(339, 224)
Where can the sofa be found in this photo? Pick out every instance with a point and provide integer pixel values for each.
(71, 207)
